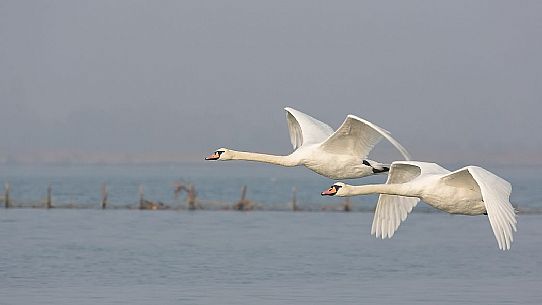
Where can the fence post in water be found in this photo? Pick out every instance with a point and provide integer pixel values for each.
(294, 199)
(104, 195)
(347, 206)
(191, 197)
(48, 200)
(6, 195)
(243, 193)
(191, 193)
(141, 197)
(243, 203)
(178, 187)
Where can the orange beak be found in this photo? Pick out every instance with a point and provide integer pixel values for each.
(329, 192)
(214, 156)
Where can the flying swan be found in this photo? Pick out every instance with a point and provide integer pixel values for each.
(337, 155)
(471, 190)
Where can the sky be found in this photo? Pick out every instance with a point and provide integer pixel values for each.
(152, 81)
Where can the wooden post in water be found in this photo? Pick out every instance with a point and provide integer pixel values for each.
(243, 203)
(191, 193)
(7, 202)
(141, 197)
(347, 206)
(243, 193)
(178, 187)
(49, 200)
(191, 197)
(294, 199)
(104, 195)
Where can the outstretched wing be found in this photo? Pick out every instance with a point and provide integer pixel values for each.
(495, 194)
(305, 129)
(391, 210)
(357, 137)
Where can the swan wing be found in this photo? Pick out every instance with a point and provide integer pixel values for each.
(391, 210)
(357, 137)
(426, 168)
(496, 196)
(305, 129)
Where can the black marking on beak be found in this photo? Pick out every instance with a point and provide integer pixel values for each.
(215, 155)
(331, 191)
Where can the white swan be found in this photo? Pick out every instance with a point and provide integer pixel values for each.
(471, 190)
(336, 155)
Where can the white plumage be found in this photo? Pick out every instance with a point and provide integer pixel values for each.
(471, 190)
(336, 155)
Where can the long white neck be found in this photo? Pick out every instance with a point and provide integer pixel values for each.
(389, 189)
(273, 159)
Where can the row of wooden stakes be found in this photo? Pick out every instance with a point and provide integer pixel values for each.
(243, 204)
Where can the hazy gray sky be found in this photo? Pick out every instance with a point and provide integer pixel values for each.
(176, 79)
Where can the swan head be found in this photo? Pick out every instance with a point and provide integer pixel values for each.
(337, 189)
(220, 154)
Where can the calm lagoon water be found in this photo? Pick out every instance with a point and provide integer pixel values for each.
(116, 256)
(216, 182)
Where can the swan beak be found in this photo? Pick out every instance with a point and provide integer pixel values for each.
(214, 156)
(329, 192)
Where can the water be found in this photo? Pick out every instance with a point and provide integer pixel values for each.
(118, 256)
(217, 183)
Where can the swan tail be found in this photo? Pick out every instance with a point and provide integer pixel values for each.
(381, 168)
(378, 168)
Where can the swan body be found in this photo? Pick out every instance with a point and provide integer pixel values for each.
(339, 154)
(470, 190)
